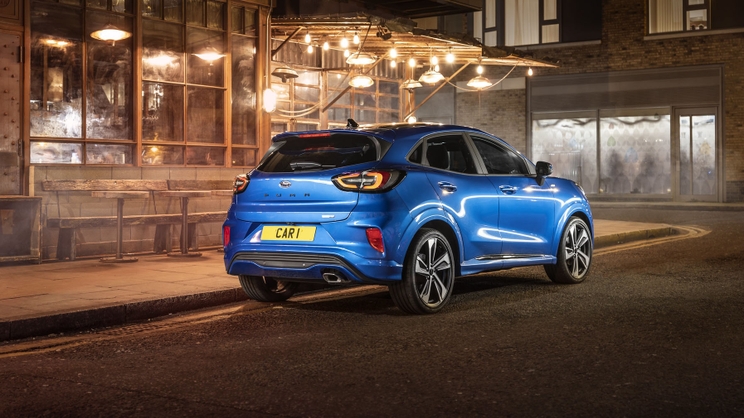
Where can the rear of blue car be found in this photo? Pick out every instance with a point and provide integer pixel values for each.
(315, 209)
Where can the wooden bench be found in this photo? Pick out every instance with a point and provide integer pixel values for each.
(68, 225)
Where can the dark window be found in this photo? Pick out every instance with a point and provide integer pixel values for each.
(449, 153)
(297, 153)
(499, 160)
(581, 20)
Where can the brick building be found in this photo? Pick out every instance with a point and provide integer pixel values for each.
(645, 105)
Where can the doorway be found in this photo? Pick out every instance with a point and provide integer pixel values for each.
(695, 144)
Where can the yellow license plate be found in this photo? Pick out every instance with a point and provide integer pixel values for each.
(288, 233)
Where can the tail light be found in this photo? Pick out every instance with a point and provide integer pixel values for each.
(240, 183)
(374, 237)
(369, 181)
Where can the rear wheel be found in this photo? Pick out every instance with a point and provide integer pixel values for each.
(574, 254)
(267, 289)
(428, 275)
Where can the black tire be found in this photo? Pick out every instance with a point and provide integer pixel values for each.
(574, 254)
(428, 275)
(267, 289)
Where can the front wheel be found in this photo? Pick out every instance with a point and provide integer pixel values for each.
(428, 275)
(266, 289)
(574, 254)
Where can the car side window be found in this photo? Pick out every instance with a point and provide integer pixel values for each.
(449, 153)
(499, 160)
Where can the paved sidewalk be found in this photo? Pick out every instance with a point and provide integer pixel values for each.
(54, 297)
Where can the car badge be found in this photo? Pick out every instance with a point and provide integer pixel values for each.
(285, 184)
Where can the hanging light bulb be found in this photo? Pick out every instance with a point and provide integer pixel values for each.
(307, 38)
(436, 68)
(346, 53)
(393, 64)
(450, 57)
(309, 48)
(412, 62)
(393, 53)
(344, 42)
(356, 38)
(530, 72)
(479, 70)
(434, 60)
(326, 47)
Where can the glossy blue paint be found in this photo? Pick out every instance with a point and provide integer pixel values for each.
(447, 180)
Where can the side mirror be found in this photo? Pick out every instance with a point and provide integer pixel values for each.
(543, 169)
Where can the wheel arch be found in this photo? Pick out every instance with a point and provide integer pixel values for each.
(439, 223)
(580, 211)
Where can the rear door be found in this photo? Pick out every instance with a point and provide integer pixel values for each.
(467, 196)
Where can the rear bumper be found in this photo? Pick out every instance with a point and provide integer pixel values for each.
(310, 266)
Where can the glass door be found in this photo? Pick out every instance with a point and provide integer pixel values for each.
(697, 148)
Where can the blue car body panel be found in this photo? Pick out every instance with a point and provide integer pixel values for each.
(493, 221)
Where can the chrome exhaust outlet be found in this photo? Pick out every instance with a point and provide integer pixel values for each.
(334, 277)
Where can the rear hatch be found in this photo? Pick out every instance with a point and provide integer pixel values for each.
(293, 183)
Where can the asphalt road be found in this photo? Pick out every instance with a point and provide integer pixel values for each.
(656, 330)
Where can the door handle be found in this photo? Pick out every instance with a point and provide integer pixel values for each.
(447, 187)
(508, 189)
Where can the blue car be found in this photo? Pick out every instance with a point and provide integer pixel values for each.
(410, 206)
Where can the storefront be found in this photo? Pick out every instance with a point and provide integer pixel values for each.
(641, 135)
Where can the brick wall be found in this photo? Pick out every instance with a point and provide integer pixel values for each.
(623, 48)
(501, 113)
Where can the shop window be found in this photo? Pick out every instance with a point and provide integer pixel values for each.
(243, 27)
(678, 15)
(635, 155)
(569, 142)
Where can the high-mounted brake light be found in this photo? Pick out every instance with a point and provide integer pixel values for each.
(369, 181)
(240, 183)
(314, 135)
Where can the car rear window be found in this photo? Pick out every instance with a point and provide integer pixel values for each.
(320, 152)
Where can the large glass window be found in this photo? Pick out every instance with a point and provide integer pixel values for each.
(678, 15)
(243, 28)
(79, 111)
(569, 142)
(183, 95)
(634, 150)
(635, 153)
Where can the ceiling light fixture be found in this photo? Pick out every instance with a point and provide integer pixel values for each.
(361, 81)
(411, 84)
(284, 73)
(431, 77)
(110, 33)
(361, 58)
(479, 82)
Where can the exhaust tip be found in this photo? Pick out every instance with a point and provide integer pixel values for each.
(335, 277)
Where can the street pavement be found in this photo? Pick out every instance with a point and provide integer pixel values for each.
(67, 296)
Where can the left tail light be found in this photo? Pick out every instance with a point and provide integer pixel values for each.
(369, 181)
(241, 183)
